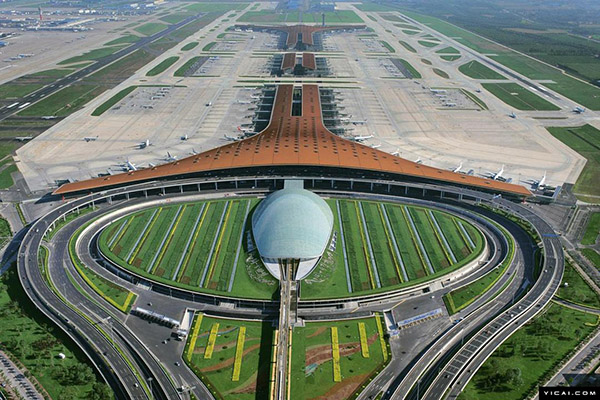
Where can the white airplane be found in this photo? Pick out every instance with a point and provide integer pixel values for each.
(90, 138)
(538, 184)
(231, 138)
(496, 175)
(244, 130)
(359, 122)
(185, 137)
(361, 139)
(512, 115)
(578, 110)
(244, 102)
(376, 146)
(49, 117)
(419, 161)
(151, 165)
(396, 153)
(193, 152)
(23, 138)
(129, 166)
(457, 169)
(145, 144)
(170, 158)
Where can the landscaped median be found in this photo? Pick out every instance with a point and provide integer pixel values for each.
(462, 297)
(116, 295)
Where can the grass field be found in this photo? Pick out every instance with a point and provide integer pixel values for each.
(397, 259)
(216, 7)
(460, 298)
(196, 245)
(150, 28)
(532, 351)
(92, 55)
(476, 70)
(209, 46)
(577, 289)
(441, 73)
(36, 342)
(592, 255)
(361, 356)
(189, 46)
(102, 108)
(426, 43)
(162, 66)
(448, 50)
(125, 39)
(416, 74)
(218, 371)
(188, 64)
(407, 46)
(6, 179)
(586, 141)
(387, 46)
(518, 97)
(65, 101)
(449, 58)
(592, 229)
(5, 232)
(575, 89)
(331, 17)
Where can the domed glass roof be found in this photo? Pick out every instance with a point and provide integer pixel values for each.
(292, 223)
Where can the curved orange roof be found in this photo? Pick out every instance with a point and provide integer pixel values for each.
(294, 141)
(309, 61)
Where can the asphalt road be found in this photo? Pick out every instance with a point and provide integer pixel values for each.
(27, 269)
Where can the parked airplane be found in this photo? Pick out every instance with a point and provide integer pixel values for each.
(193, 152)
(359, 122)
(129, 166)
(538, 184)
(396, 153)
(512, 115)
(496, 175)
(361, 139)
(458, 168)
(244, 102)
(145, 144)
(23, 138)
(49, 117)
(419, 161)
(90, 138)
(376, 146)
(231, 138)
(578, 110)
(185, 137)
(169, 157)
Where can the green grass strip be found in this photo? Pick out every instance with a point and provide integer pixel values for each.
(121, 233)
(215, 254)
(414, 240)
(165, 246)
(145, 235)
(364, 246)
(166, 63)
(239, 352)
(102, 108)
(194, 241)
(391, 246)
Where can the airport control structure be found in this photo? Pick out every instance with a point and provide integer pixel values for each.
(293, 261)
